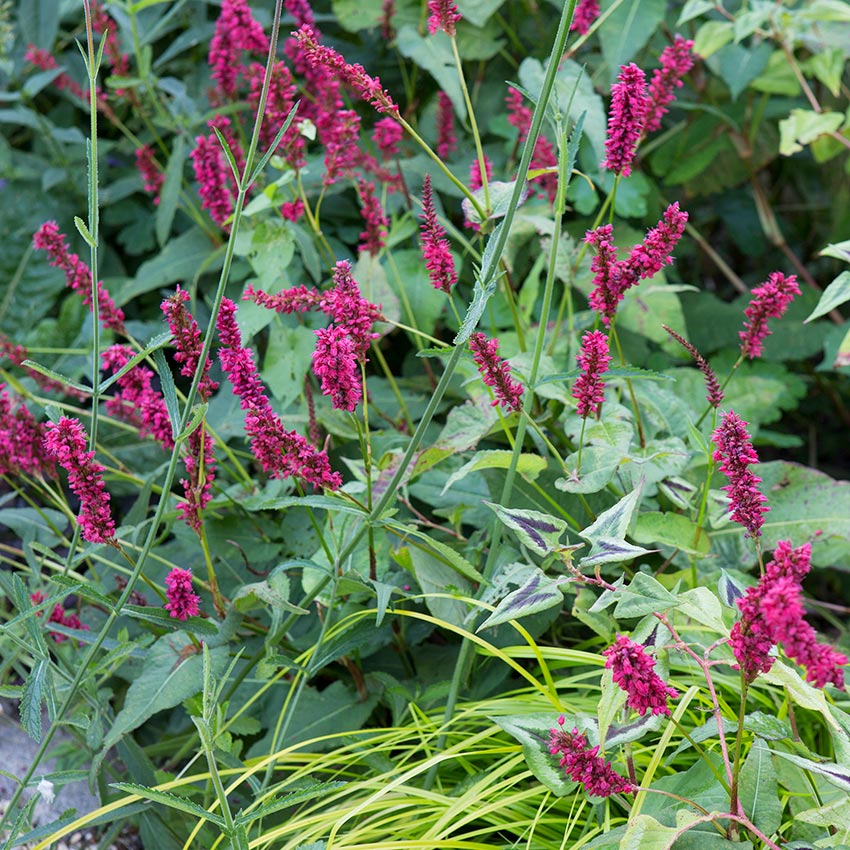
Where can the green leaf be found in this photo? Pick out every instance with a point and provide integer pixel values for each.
(803, 126)
(839, 250)
(540, 532)
(644, 595)
(286, 799)
(758, 789)
(739, 65)
(171, 801)
(169, 391)
(33, 697)
(628, 29)
(440, 583)
(711, 36)
(671, 529)
(539, 593)
(646, 833)
(836, 294)
(836, 774)
(153, 344)
(160, 618)
(356, 15)
(166, 679)
(485, 285)
(83, 230)
(39, 22)
(529, 465)
(478, 12)
(828, 66)
(56, 376)
(693, 9)
(434, 55)
(261, 593)
(169, 194)
(702, 606)
(440, 550)
(532, 731)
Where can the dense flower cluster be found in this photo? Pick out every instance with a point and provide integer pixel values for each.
(152, 176)
(676, 61)
(586, 12)
(66, 441)
(446, 137)
(475, 181)
(213, 176)
(136, 400)
(17, 354)
(633, 670)
(613, 277)
(235, 31)
(435, 246)
(281, 453)
(442, 15)
(735, 454)
(182, 601)
(21, 440)
(77, 274)
(589, 386)
(626, 119)
(60, 616)
(336, 365)
(772, 613)
(279, 103)
(374, 235)
(386, 134)
(714, 392)
(585, 765)
(495, 372)
(770, 301)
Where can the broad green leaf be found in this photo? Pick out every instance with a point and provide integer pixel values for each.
(616, 520)
(440, 583)
(826, 10)
(646, 833)
(434, 55)
(539, 593)
(500, 196)
(671, 529)
(803, 126)
(166, 680)
(529, 465)
(39, 22)
(170, 193)
(839, 250)
(171, 801)
(778, 77)
(532, 731)
(287, 361)
(829, 815)
(644, 595)
(540, 532)
(356, 15)
(836, 294)
(803, 694)
(702, 606)
(612, 699)
(711, 36)
(612, 550)
(828, 66)
(262, 593)
(160, 618)
(759, 790)
(478, 12)
(628, 29)
(422, 304)
(450, 557)
(842, 354)
(598, 465)
(739, 66)
(693, 9)
(836, 774)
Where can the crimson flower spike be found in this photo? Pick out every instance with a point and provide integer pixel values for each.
(770, 301)
(626, 119)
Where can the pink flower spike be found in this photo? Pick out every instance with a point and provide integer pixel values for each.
(374, 235)
(335, 363)
(187, 341)
(651, 255)
(475, 181)
(495, 372)
(435, 247)
(21, 440)
(770, 301)
(676, 61)
(77, 275)
(213, 175)
(735, 453)
(586, 765)
(443, 16)
(386, 135)
(182, 600)
(589, 386)
(235, 31)
(633, 670)
(152, 177)
(625, 119)
(586, 12)
(446, 138)
(66, 441)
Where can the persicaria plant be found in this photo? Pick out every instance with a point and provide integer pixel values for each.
(422, 423)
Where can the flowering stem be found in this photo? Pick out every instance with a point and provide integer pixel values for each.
(734, 804)
(476, 136)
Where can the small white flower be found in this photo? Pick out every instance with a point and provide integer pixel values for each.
(45, 788)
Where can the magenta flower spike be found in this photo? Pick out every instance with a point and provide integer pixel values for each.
(633, 670)
(335, 363)
(213, 176)
(443, 15)
(770, 301)
(585, 765)
(495, 372)
(66, 442)
(676, 61)
(586, 12)
(182, 600)
(772, 613)
(373, 237)
(21, 440)
(152, 177)
(446, 138)
(735, 454)
(625, 119)
(589, 386)
(435, 246)
(77, 274)
(475, 181)
(386, 134)
(235, 31)
(650, 256)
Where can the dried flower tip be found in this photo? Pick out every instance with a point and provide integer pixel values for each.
(626, 119)
(495, 372)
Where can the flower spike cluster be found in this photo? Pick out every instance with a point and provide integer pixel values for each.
(585, 765)
(676, 61)
(772, 613)
(633, 670)
(435, 246)
(626, 119)
(735, 454)
(66, 441)
(589, 386)
(770, 301)
(49, 238)
(495, 372)
(152, 177)
(182, 600)
(613, 277)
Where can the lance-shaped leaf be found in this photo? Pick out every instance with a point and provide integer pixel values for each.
(539, 593)
(528, 465)
(539, 531)
(643, 596)
(612, 550)
(607, 534)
